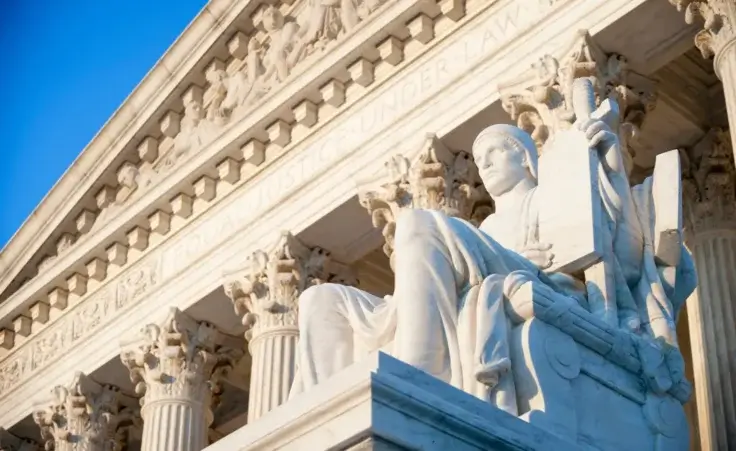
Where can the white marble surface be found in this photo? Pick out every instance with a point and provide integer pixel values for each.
(383, 397)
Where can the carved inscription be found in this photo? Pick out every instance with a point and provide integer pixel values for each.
(81, 322)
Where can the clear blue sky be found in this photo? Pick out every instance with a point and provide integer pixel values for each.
(66, 67)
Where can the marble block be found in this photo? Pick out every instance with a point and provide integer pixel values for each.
(383, 403)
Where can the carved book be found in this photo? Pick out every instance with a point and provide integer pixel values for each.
(570, 210)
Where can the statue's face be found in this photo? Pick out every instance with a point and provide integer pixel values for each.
(271, 19)
(501, 166)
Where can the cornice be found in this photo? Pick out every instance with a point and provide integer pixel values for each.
(165, 76)
(177, 185)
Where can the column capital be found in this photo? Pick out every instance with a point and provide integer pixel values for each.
(266, 292)
(719, 23)
(540, 100)
(436, 179)
(85, 412)
(709, 183)
(179, 358)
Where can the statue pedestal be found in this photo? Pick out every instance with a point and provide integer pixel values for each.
(384, 404)
(590, 383)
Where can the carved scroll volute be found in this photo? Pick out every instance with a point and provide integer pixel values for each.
(718, 27)
(541, 101)
(709, 182)
(179, 357)
(86, 415)
(436, 179)
(266, 292)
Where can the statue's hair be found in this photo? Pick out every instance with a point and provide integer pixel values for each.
(516, 138)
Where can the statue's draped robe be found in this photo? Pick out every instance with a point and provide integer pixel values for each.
(447, 314)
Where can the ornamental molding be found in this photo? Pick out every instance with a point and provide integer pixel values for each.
(257, 63)
(232, 156)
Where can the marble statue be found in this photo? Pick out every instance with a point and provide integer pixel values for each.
(196, 130)
(447, 315)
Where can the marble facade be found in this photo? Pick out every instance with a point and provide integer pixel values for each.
(154, 302)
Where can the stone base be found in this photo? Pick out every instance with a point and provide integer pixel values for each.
(384, 404)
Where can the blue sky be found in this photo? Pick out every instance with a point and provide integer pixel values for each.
(67, 65)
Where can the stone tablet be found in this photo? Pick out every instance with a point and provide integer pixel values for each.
(570, 215)
(667, 200)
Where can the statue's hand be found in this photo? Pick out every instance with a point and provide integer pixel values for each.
(539, 254)
(598, 134)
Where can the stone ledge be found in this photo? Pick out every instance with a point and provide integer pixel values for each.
(383, 400)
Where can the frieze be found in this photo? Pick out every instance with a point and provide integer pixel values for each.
(78, 324)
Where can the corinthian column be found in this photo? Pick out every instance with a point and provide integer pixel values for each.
(710, 207)
(85, 415)
(176, 366)
(265, 296)
(436, 178)
(541, 100)
(717, 39)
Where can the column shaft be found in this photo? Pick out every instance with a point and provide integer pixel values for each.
(272, 372)
(176, 366)
(712, 315)
(174, 425)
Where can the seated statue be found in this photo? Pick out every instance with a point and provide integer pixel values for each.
(447, 315)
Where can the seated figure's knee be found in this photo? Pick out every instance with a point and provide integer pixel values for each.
(413, 225)
(319, 301)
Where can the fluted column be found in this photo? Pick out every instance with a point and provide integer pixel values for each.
(85, 415)
(710, 212)
(265, 296)
(717, 39)
(176, 366)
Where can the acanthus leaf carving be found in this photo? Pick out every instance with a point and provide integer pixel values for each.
(709, 182)
(436, 179)
(541, 101)
(718, 26)
(179, 358)
(266, 293)
(85, 415)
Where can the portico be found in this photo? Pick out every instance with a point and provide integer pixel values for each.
(299, 160)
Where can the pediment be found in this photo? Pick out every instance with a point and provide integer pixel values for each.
(226, 62)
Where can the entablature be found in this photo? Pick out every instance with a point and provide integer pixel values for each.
(176, 176)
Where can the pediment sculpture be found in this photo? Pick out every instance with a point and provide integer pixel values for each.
(283, 38)
(461, 291)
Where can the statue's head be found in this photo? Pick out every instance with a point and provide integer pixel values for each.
(272, 19)
(505, 156)
(193, 110)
